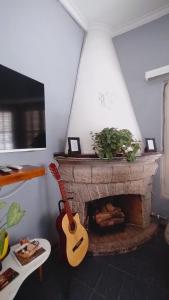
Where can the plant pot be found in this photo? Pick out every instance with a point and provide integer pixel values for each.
(5, 248)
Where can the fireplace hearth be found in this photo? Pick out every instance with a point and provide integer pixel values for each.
(127, 186)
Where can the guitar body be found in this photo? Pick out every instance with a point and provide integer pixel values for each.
(74, 243)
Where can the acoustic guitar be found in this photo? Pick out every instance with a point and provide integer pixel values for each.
(73, 236)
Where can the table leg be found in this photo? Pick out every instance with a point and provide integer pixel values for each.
(40, 271)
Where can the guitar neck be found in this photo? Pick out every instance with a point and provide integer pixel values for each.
(54, 170)
(65, 199)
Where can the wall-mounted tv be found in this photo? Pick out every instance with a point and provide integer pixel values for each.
(22, 112)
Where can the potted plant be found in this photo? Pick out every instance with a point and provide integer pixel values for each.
(12, 217)
(112, 142)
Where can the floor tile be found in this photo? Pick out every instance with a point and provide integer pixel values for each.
(89, 271)
(77, 291)
(110, 283)
(96, 296)
(133, 289)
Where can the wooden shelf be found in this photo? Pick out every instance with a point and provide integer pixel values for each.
(26, 173)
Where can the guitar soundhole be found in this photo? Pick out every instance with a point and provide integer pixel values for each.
(72, 227)
(78, 244)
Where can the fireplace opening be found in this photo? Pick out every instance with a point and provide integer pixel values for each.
(105, 216)
(113, 213)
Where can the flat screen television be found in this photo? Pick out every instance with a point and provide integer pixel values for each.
(22, 112)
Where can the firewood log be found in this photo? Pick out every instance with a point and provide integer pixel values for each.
(100, 217)
(110, 207)
(106, 223)
(118, 214)
(111, 222)
(115, 220)
(118, 220)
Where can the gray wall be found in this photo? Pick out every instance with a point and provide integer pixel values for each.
(39, 39)
(140, 50)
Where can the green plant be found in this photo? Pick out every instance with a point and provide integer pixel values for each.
(12, 217)
(112, 142)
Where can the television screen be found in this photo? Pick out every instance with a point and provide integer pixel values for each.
(22, 112)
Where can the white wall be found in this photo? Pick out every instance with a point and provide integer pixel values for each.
(139, 50)
(39, 39)
(101, 97)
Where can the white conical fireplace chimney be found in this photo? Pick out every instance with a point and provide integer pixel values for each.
(101, 98)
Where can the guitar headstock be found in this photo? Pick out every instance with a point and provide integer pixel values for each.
(54, 170)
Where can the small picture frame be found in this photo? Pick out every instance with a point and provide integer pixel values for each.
(150, 145)
(74, 145)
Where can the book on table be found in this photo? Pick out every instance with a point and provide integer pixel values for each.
(7, 276)
(28, 252)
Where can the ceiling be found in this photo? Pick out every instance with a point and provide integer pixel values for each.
(119, 15)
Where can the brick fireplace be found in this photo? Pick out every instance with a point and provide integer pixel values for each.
(88, 179)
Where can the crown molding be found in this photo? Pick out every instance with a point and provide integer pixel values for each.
(75, 13)
(157, 72)
(83, 22)
(156, 14)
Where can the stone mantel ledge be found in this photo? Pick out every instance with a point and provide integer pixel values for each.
(146, 158)
(95, 170)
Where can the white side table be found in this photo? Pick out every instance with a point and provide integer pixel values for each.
(9, 292)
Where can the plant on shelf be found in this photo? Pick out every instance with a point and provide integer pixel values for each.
(112, 142)
(12, 217)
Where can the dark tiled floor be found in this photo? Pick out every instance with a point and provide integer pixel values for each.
(139, 275)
